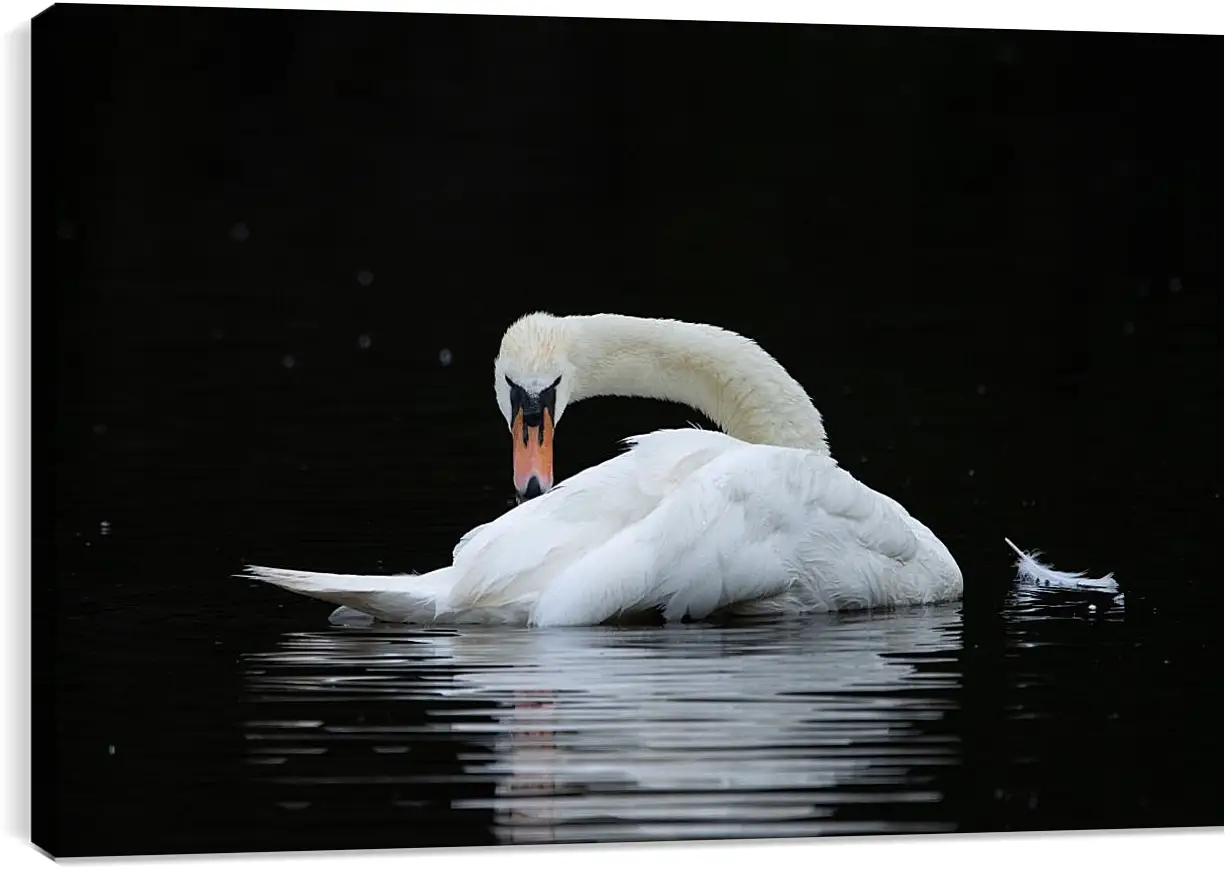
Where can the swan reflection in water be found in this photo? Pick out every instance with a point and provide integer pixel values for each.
(830, 725)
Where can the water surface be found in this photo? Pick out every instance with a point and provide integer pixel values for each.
(853, 724)
(621, 734)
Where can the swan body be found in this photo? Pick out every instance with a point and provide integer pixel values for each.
(756, 519)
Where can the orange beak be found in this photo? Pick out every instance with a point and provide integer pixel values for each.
(533, 454)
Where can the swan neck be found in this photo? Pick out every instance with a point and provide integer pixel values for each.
(725, 376)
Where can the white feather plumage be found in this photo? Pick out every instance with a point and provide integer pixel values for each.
(1035, 572)
(687, 523)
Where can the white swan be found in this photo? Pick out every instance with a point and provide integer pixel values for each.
(688, 522)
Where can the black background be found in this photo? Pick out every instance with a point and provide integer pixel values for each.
(993, 258)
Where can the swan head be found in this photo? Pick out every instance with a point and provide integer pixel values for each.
(534, 381)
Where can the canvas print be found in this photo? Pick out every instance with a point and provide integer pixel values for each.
(458, 430)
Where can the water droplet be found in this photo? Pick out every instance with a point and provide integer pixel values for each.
(239, 232)
(444, 356)
(104, 527)
(1175, 285)
(1129, 328)
(365, 277)
(288, 361)
(110, 749)
(971, 472)
(982, 389)
(363, 341)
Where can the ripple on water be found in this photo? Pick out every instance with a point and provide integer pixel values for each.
(828, 726)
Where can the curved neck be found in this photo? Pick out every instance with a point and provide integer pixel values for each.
(726, 376)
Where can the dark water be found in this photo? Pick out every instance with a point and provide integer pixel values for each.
(1055, 712)
(273, 256)
(793, 729)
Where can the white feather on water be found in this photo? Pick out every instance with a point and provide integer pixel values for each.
(1033, 572)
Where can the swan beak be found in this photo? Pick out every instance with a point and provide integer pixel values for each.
(533, 454)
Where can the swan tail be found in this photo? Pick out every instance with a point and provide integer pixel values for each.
(411, 598)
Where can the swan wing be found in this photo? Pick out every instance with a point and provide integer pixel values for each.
(512, 559)
(500, 568)
(687, 522)
(756, 528)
